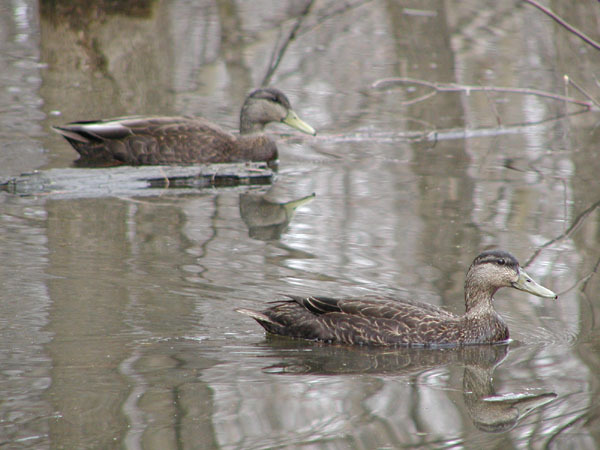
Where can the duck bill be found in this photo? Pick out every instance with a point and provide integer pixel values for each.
(527, 284)
(301, 201)
(294, 121)
(291, 206)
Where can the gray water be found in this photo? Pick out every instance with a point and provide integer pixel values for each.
(117, 318)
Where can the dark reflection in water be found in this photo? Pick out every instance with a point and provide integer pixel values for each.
(117, 313)
(488, 410)
(493, 412)
(135, 181)
(266, 217)
(80, 13)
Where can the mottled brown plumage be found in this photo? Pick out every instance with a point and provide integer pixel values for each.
(387, 321)
(151, 140)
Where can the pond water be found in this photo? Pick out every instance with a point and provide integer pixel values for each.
(117, 311)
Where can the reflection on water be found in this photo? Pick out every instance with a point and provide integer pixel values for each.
(117, 310)
(488, 411)
(374, 397)
(135, 181)
(266, 217)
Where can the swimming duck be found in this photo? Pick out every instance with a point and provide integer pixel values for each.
(152, 140)
(388, 321)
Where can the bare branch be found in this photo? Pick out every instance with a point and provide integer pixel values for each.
(278, 56)
(568, 232)
(589, 276)
(564, 24)
(331, 14)
(582, 91)
(453, 87)
(432, 134)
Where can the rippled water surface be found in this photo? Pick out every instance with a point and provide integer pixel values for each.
(117, 311)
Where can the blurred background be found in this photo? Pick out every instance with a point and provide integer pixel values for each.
(117, 312)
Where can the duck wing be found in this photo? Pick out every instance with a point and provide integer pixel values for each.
(373, 321)
(376, 307)
(139, 140)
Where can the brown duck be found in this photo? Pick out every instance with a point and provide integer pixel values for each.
(152, 140)
(386, 321)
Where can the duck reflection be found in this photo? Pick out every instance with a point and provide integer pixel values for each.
(495, 413)
(265, 215)
(487, 410)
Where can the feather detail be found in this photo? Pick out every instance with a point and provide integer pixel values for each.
(151, 140)
(390, 321)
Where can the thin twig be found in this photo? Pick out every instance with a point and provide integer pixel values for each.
(453, 87)
(341, 10)
(569, 231)
(557, 432)
(441, 134)
(580, 90)
(422, 98)
(494, 110)
(589, 276)
(581, 283)
(564, 24)
(278, 56)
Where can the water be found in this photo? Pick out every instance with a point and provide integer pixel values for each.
(117, 311)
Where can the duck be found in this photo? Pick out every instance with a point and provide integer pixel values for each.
(388, 321)
(161, 140)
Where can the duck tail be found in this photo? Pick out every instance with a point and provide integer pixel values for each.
(72, 135)
(256, 315)
(264, 321)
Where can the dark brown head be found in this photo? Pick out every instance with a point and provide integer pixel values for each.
(268, 105)
(495, 269)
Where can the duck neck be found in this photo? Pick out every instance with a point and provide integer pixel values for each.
(487, 325)
(257, 147)
(247, 127)
(478, 297)
(252, 118)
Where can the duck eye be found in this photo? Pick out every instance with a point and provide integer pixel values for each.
(501, 261)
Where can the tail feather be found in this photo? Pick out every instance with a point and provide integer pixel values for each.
(256, 315)
(71, 135)
(270, 325)
(95, 131)
(317, 305)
